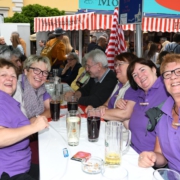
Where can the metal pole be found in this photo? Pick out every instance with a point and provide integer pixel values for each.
(80, 46)
(138, 40)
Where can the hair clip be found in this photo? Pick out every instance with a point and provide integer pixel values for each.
(144, 104)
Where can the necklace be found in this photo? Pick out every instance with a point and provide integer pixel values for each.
(175, 110)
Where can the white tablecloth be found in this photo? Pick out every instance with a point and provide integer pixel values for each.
(54, 166)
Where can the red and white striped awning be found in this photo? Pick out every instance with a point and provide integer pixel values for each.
(92, 21)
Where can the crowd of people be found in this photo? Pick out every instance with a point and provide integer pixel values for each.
(137, 85)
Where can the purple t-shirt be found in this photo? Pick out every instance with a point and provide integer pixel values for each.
(130, 94)
(143, 140)
(169, 138)
(14, 159)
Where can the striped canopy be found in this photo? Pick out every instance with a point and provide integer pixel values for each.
(93, 21)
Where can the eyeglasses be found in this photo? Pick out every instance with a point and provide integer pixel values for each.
(120, 63)
(89, 67)
(168, 74)
(38, 71)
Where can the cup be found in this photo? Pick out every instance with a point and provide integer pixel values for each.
(73, 125)
(114, 173)
(93, 124)
(165, 174)
(114, 131)
(72, 103)
(55, 72)
(55, 108)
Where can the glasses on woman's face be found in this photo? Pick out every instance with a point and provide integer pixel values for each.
(120, 64)
(39, 71)
(168, 74)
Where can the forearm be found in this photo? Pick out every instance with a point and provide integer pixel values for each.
(11, 136)
(116, 114)
(78, 94)
(46, 113)
(160, 160)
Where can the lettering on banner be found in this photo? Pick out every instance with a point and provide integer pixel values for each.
(108, 3)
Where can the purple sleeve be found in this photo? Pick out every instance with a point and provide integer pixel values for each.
(131, 95)
(46, 96)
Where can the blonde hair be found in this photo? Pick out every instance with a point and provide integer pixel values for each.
(67, 44)
(15, 40)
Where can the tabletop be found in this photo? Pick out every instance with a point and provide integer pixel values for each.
(54, 166)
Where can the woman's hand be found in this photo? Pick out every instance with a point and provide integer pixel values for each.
(40, 123)
(102, 110)
(147, 159)
(121, 104)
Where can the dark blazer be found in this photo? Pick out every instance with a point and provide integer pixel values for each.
(69, 76)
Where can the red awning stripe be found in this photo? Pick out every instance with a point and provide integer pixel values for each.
(92, 21)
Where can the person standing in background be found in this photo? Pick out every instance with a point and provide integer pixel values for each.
(102, 43)
(16, 42)
(92, 44)
(67, 44)
(58, 52)
(22, 42)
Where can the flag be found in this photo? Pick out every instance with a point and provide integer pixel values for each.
(116, 43)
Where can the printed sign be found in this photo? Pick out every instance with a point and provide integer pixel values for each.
(130, 11)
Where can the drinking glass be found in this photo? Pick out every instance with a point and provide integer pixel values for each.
(165, 174)
(114, 144)
(72, 103)
(55, 72)
(93, 124)
(55, 108)
(73, 125)
(114, 173)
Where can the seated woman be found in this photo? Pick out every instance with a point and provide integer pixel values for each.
(150, 92)
(31, 92)
(167, 145)
(82, 78)
(122, 89)
(70, 70)
(15, 128)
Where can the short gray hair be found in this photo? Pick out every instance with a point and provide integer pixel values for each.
(35, 58)
(74, 55)
(16, 52)
(98, 56)
(6, 54)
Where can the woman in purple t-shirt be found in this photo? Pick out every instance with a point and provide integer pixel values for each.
(15, 129)
(123, 89)
(167, 147)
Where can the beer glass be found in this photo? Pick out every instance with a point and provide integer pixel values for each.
(93, 124)
(55, 108)
(114, 131)
(165, 174)
(72, 103)
(73, 125)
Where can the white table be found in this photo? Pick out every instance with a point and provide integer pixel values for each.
(53, 165)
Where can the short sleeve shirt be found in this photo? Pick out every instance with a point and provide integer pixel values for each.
(143, 140)
(130, 94)
(169, 137)
(14, 159)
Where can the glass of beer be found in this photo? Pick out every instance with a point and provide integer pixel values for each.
(55, 108)
(93, 124)
(72, 103)
(114, 144)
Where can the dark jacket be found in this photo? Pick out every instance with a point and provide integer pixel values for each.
(96, 94)
(91, 46)
(69, 76)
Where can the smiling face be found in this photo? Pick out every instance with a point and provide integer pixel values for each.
(144, 76)
(173, 83)
(8, 80)
(121, 70)
(36, 80)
